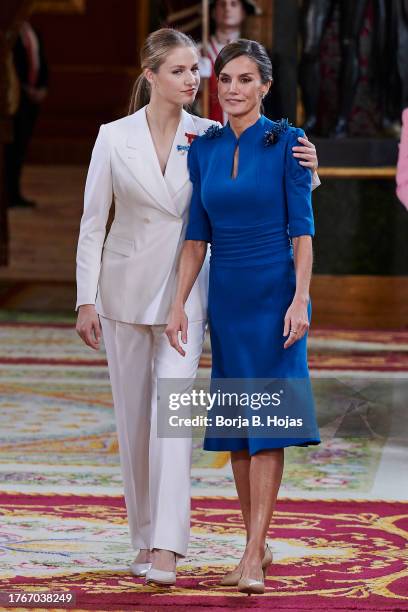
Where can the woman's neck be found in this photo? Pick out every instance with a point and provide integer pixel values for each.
(240, 123)
(223, 36)
(165, 116)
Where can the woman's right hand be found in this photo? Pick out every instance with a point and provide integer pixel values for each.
(88, 326)
(178, 322)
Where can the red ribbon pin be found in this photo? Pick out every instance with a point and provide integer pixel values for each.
(190, 137)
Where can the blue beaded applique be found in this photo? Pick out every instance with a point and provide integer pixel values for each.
(213, 131)
(272, 136)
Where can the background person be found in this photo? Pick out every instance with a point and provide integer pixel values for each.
(402, 166)
(228, 17)
(32, 72)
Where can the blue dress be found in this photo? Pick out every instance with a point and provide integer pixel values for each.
(249, 221)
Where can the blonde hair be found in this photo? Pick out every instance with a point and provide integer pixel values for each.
(152, 55)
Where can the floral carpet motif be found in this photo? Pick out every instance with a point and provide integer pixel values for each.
(56, 343)
(58, 430)
(62, 516)
(327, 554)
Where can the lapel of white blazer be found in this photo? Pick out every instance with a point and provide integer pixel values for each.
(141, 158)
(177, 174)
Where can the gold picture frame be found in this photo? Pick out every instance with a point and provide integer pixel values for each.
(59, 6)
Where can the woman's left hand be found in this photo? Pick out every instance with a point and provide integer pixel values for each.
(178, 323)
(296, 322)
(306, 153)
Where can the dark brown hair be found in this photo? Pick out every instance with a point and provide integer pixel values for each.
(152, 55)
(252, 49)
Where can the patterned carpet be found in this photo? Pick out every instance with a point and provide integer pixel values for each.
(340, 533)
(29, 342)
(346, 555)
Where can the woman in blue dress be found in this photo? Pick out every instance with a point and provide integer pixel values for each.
(252, 202)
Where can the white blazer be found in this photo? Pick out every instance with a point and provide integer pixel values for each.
(131, 275)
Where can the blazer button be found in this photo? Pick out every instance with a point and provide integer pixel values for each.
(146, 220)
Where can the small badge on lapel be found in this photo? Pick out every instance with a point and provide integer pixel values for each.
(184, 148)
(190, 137)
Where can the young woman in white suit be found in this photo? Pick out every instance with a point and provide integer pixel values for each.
(126, 281)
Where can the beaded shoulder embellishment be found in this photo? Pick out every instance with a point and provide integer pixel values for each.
(272, 136)
(213, 131)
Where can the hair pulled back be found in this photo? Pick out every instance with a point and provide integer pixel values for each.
(152, 55)
(252, 49)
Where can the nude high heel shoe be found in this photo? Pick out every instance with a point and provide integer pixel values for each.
(232, 578)
(256, 587)
(251, 586)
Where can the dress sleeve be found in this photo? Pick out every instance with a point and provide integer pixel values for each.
(298, 182)
(199, 226)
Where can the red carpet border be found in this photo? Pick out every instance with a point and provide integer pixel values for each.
(365, 566)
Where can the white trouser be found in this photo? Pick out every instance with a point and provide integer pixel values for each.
(155, 471)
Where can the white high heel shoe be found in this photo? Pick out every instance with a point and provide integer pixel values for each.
(140, 569)
(161, 577)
